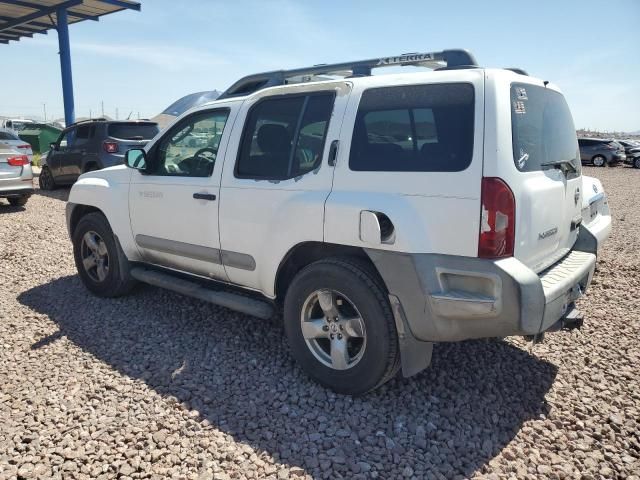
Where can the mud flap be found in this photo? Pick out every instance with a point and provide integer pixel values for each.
(415, 355)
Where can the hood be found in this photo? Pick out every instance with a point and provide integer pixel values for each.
(107, 176)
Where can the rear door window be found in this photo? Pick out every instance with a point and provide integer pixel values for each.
(284, 136)
(414, 128)
(83, 133)
(133, 131)
(542, 129)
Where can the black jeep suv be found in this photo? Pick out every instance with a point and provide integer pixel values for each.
(92, 145)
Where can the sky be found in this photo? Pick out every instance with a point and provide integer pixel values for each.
(140, 62)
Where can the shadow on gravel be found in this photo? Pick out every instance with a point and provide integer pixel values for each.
(450, 420)
(5, 208)
(60, 193)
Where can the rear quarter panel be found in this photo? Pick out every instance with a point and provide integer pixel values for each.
(431, 211)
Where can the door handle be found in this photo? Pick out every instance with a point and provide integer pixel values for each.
(204, 196)
(333, 153)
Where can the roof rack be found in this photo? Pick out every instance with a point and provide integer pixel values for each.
(359, 68)
(519, 71)
(86, 120)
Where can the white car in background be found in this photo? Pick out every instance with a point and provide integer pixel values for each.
(15, 124)
(11, 139)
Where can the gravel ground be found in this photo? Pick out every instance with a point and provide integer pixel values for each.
(156, 385)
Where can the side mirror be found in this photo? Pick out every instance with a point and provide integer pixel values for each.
(53, 146)
(136, 158)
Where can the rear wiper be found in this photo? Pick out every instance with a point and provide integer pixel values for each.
(561, 165)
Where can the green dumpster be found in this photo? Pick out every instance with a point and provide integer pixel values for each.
(39, 136)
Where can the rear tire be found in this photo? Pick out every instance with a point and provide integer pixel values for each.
(46, 180)
(18, 201)
(599, 161)
(101, 263)
(363, 351)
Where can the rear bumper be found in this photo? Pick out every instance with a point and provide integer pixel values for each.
(449, 298)
(618, 157)
(18, 184)
(18, 191)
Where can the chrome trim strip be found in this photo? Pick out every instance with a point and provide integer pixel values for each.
(182, 249)
(238, 260)
(197, 252)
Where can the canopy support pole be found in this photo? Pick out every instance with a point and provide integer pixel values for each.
(65, 66)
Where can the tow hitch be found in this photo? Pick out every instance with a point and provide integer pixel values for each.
(571, 320)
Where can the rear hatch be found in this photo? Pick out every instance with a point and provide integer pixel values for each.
(548, 184)
(130, 135)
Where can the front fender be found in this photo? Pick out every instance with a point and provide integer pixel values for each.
(108, 191)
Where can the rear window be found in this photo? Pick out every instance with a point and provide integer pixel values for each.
(133, 131)
(8, 136)
(542, 128)
(414, 128)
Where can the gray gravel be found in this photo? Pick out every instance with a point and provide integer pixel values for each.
(160, 386)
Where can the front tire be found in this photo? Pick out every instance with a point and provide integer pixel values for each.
(340, 326)
(46, 180)
(18, 201)
(636, 162)
(599, 161)
(101, 263)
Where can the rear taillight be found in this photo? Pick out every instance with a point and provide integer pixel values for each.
(18, 160)
(110, 147)
(497, 219)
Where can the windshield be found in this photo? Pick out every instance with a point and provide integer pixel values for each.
(542, 129)
(133, 131)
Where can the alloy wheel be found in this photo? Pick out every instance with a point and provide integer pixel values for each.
(95, 257)
(333, 329)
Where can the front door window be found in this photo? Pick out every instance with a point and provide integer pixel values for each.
(191, 147)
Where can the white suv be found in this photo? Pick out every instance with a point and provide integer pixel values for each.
(382, 213)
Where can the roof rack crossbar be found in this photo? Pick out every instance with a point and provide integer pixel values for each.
(87, 120)
(259, 81)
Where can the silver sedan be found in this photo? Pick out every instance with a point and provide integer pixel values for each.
(16, 176)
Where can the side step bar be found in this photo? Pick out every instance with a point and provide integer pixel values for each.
(230, 300)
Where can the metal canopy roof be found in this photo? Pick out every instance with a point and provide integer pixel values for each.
(23, 18)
